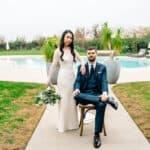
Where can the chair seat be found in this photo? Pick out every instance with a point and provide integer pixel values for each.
(87, 106)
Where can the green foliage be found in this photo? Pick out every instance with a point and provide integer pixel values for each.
(127, 44)
(32, 45)
(21, 52)
(79, 49)
(21, 45)
(49, 47)
(125, 49)
(106, 36)
(94, 42)
(141, 43)
(2, 46)
(47, 97)
(117, 41)
(134, 44)
(18, 44)
(88, 43)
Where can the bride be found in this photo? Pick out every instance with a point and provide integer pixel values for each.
(65, 56)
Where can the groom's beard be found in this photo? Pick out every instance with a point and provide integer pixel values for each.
(91, 59)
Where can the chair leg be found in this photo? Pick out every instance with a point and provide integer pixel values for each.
(81, 121)
(81, 117)
(105, 134)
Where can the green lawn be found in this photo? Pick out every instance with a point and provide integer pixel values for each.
(33, 52)
(20, 52)
(18, 113)
(136, 99)
(25, 52)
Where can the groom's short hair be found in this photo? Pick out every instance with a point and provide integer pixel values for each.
(92, 48)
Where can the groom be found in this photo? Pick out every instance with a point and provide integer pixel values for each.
(92, 88)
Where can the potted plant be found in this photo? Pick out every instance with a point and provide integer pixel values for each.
(117, 42)
(106, 40)
(48, 49)
(112, 66)
(113, 69)
(106, 37)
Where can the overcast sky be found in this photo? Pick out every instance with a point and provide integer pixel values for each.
(47, 17)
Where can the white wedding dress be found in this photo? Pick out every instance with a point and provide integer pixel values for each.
(67, 109)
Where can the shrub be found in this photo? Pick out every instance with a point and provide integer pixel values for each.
(117, 41)
(2, 46)
(49, 47)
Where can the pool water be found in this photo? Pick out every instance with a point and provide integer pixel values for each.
(39, 62)
(129, 62)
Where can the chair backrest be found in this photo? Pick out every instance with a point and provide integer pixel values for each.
(142, 51)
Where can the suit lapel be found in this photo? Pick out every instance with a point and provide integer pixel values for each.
(87, 71)
(95, 70)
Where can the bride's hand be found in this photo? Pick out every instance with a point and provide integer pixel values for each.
(50, 85)
(83, 69)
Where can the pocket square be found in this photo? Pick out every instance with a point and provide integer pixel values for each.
(99, 72)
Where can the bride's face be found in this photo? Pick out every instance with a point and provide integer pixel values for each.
(67, 39)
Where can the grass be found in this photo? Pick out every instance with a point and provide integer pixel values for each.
(21, 52)
(35, 52)
(25, 52)
(18, 114)
(135, 97)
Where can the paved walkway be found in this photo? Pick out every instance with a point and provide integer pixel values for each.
(122, 132)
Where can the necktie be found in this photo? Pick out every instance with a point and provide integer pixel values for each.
(91, 70)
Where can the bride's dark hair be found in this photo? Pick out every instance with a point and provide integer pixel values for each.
(71, 45)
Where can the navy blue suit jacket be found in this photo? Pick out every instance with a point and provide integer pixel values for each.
(100, 75)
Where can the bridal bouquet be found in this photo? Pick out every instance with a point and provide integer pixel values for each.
(48, 96)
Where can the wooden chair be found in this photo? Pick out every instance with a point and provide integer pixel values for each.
(84, 109)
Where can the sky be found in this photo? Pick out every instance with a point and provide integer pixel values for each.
(31, 18)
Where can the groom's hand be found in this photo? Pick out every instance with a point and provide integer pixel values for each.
(75, 92)
(103, 97)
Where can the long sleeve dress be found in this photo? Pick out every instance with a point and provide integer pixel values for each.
(67, 110)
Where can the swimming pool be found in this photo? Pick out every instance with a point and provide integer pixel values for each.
(38, 62)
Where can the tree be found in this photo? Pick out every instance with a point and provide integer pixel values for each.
(39, 40)
(49, 47)
(95, 31)
(106, 36)
(2, 43)
(117, 41)
(18, 44)
(80, 35)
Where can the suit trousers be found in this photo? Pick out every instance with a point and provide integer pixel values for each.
(93, 98)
